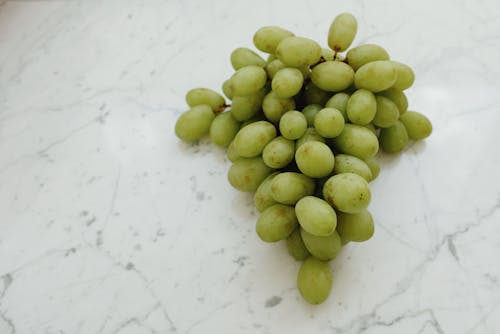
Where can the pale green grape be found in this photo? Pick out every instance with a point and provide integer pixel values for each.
(417, 125)
(273, 67)
(398, 97)
(296, 247)
(242, 57)
(227, 88)
(387, 113)
(223, 129)
(244, 108)
(315, 159)
(342, 32)
(324, 248)
(364, 54)
(347, 192)
(310, 112)
(279, 152)
(361, 107)
(327, 54)
(394, 138)
(356, 227)
(376, 76)
(246, 174)
(332, 76)
(262, 197)
(293, 125)
(274, 107)
(231, 153)
(314, 280)
(374, 167)
(251, 139)
(314, 95)
(199, 96)
(287, 82)
(309, 135)
(316, 216)
(267, 38)
(358, 141)
(405, 76)
(349, 164)
(298, 51)
(248, 80)
(339, 102)
(276, 223)
(194, 123)
(289, 187)
(329, 122)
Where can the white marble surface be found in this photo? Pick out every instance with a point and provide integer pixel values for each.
(108, 224)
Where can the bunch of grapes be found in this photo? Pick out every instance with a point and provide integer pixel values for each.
(302, 132)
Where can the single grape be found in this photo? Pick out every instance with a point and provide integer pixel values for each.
(417, 125)
(342, 32)
(310, 112)
(246, 174)
(349, 164)
(223, 129)
(194, 123)
(274, 67)
(339, 102)
(289, 187)
(266, 39)
(293, 125)
(262, 197)
(251, 139)
(316, 216)
(298, 51)
(327, 54)
(248, 80)
(244, 108)
(274, 107)
(347, 192)
(329, 122)
(231, 153)
(374, 167)
(314, 95)
(276, 223)
(398, 97)
(405, 76)
(364, 54)
(227, 88)
(287, 82)
(387, 113)
(242, 57)
(324, 248)
(358, 141)
(315, 159)
(309, 135)
(361, 107)
(356, 227)
(201, 96)
(296, 247)
(314, 280)
(376, 76)
(279, 152)
(332, 76)
(394, 138)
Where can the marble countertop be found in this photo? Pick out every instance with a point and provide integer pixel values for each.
(110, 225)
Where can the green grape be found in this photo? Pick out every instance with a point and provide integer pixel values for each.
(394, 138)
(194, 123)
(223, 129)
(279, 152)
(324, 248)
(342, 32)
(251, 139)
(314, 95)
(199, 96)
(356, 227)
(244, 108)
(231, 153)
(376, 76)
(227, 88)
(347, 192)
(358, 141)
(405, 76)
(327, 54)
(274, 107)
(310, 112)
(287, 82)
(332, 76)
(266, 39)
(276, 223)
(296, 247)
(246, 174)
(262, 197)
(273, 67)
(417, 125)
(387, 113)
(314, 280)
(248, 80)
(242, 57)
(298, 51)
(339, 102)
(293, 125)
(329, 122)
(364, 54)
(398, 97)
(361, 107)
(315, 159)
(289, 187)
(349, 164)
(371, 127)
(374, 167)
(309, 135)
(316, 216)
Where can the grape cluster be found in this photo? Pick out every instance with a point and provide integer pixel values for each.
(302, 132)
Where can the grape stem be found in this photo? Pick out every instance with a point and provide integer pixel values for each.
(221, 108)
(321, 60)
